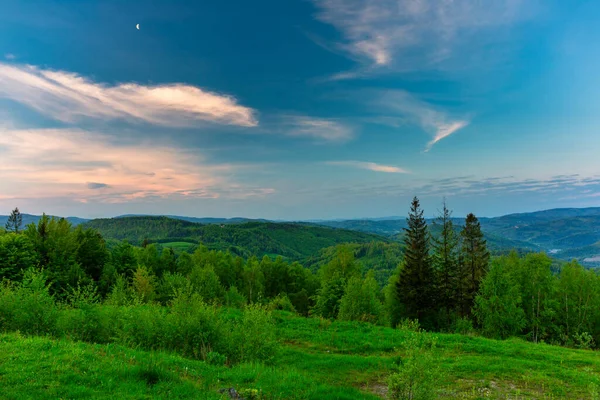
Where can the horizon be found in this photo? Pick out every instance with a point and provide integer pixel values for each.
(383, 218)
(298, 110)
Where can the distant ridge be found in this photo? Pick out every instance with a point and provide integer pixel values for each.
(565, 233)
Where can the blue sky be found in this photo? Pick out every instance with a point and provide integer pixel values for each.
(298, 109)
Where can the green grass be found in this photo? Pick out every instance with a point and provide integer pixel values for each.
(317, 360)
(179, 246)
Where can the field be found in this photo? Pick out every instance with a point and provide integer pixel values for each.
(318, 359)
(179, 246)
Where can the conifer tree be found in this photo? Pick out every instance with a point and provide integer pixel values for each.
(15, 221)
(475, 258)
(416, 285)
(445, 259)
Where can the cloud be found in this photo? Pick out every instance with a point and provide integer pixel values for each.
(69, 97)
(10, 56)
(319, 128)
(370, 166)
(434, 121)
(96, 185)
(417, 34)
(86, 166)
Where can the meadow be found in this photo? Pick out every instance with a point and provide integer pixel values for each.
(315, 359)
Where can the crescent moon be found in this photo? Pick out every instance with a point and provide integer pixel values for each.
(137, 27)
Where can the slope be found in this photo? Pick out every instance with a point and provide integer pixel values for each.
(294, 241)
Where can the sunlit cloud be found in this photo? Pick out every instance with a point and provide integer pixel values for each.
(371, 166)
(410, 35)
(69, 97)
(319, 128)
(85, 166)
(437, 123)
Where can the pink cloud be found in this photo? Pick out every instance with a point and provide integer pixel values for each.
(84, 166)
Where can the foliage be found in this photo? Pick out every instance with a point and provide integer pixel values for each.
(294, 241)
(498, 306)
(360, 302)
(418, 372)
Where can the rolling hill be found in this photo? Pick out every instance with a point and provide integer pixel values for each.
(293, 241)
(29, 218)
(565, 233)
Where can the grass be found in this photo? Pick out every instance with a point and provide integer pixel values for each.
(179, 246)
(318, 360)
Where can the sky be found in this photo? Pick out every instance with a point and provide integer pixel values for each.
(298, 109)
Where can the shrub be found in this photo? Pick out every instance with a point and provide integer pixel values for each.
(417, 370)
(233, 298)
(281, 302)
(253, 337)
(28, 307)
(463, 326)
(583, 340)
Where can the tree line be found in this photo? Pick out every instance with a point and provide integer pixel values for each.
(445, 282)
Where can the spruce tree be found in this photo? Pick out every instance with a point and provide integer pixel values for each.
(15, 221)
(475, 258)
(416, 285)
(445, 259)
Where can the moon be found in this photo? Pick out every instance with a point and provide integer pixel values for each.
(137, 26)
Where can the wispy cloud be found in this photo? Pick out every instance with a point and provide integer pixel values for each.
(370, 166)
(437, 123)
(416, 34)
(319, 128)
(468, 187)
(86, 166)
(69, 97)
(10, 56)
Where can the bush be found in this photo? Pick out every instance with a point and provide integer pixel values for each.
(583, 340)
(28, 307)
(253, 337)
(281, 302)
(463, 326)
(233, 298)
(417, 372)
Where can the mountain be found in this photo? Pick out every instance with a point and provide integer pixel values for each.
(207, 220)
(294, 241)
(28, 219)
(565, 233)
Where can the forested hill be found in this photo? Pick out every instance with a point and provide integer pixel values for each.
(29, 218)
(565, 233)
(294, 241)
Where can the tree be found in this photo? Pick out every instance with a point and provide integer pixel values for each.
(474, 261)
(17, 254)
(360, 302)
(578, 296)
(538, 286)
(15, 221)
(328, 297)
(416, 284)
(445, 259)
(498, 306)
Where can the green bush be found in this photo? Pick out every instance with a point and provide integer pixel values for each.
(28, 307)
(253, 337)
(418, 371)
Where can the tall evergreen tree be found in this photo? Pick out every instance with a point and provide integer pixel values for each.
(15, 221)
(475, 258)
(416, 285)
(445, 259)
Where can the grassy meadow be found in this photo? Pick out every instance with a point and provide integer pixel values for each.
(315, 359)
